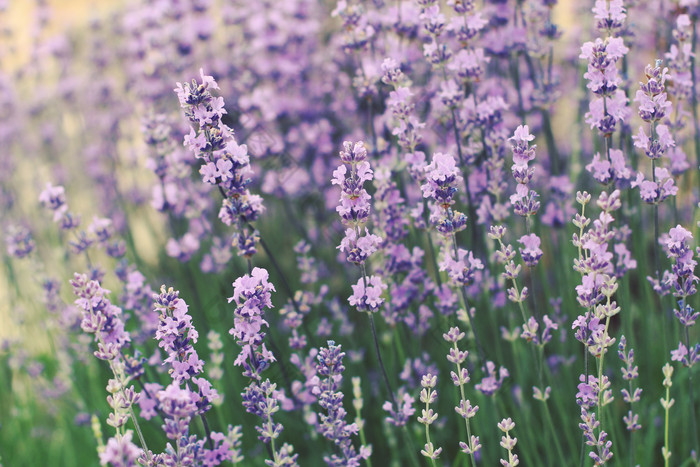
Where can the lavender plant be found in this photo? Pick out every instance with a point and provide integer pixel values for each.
(429, 103)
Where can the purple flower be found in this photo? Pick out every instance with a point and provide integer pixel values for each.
(493, 380)
(359, 249)
(120, 451)
(354, 204)
(332, 424)
(655, 192)
(100, 317)
(400, 416)
(369, 297)
(176, 335)
(530, 250)
(226, 164)
(686, 357)
(462, 270)
(252, 295)
(442, 177)
(19, 241)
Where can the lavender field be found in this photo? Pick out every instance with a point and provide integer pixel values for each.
(349, 233)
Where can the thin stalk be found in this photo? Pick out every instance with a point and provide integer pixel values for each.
(283, 278)
(207, 431)
(463, 291)
(466, 420)
(555, 436)
(554, 159)
(656, 210)
(582, 459)
(381, 362)
(667, 454)
(693, 420)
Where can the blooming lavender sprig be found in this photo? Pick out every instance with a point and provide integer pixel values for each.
(683, 280)
(598, 285)
(252, 295)
(653, 108)
(226, 164)
(441, 178)
(177, 336)
(610, 104)
(104, 320)
(332, 424)
(354, 209)
(263, 399)
(525, 201)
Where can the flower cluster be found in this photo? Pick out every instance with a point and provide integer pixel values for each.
(354, 210)
(508, 443)
(654, 107)
(176, 335)
(19, 241)
(610, 104)
(441, 179)
(226, 164)
(682, 279)
(525, 201)
(332, 424)
(100, 317)
(252, 295)
(630, 372)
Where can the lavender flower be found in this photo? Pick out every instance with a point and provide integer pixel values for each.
(530, 250)
(226, 164)
(630, 372)
(19, 241)
(461, 378)
(176, 335)
(120, 451)
(428, 396)
(525, 201)
(332, 424)
(508, 443)
(441, 177)
(252, 295)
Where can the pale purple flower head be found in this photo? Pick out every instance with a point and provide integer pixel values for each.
(368, 298)
(530, 250)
